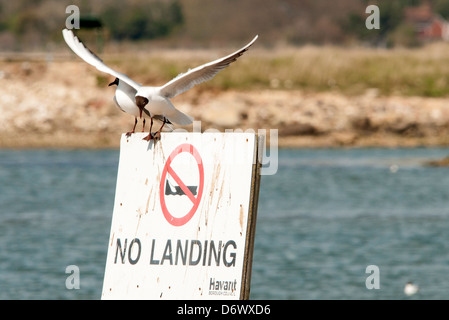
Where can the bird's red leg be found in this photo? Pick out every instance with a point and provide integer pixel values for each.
(150, 136)
(157, 135)
(134, 128)
(143, 126)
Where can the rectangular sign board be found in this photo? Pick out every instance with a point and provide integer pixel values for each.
(184, 217)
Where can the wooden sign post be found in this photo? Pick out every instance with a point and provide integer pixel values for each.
(184, 217)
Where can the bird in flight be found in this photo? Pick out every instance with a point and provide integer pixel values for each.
(152, 102)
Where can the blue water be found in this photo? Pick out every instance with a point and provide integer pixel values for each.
(323, 218)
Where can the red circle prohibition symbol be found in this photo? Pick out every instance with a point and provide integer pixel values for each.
(186, 147)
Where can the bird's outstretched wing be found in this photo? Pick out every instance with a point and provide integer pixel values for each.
(91, 58)
(205, 72)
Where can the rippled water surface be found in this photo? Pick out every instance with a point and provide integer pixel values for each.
(323, 218)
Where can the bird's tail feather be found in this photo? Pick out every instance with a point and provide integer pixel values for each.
(168, 128)
(179, 118)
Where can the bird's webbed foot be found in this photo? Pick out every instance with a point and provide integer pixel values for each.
(149, 137)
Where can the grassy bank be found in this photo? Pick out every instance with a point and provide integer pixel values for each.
(314, 96)
(409, 72)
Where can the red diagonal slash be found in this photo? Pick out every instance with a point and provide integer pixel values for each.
(181, 184)
(180, 221)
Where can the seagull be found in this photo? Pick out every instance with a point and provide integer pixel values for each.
(153, 102)
(125, 100)
(410, 289)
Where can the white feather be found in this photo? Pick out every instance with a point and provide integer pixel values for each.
(205, 72)
(158, 105)
(84, 53)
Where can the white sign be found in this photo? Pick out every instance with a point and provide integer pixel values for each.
(184, 217)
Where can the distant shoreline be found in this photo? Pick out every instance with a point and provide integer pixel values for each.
(112, 141)
(42, 107)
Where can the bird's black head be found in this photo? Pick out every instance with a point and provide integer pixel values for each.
(141, 102)
(114, 82)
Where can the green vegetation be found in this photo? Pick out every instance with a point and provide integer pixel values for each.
(327, 65)
(36, 24)
(411, 72)
(146, 20)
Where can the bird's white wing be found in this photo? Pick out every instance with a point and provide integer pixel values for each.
(91, 58)
(205, 72)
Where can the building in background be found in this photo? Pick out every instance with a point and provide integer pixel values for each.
(428, 25)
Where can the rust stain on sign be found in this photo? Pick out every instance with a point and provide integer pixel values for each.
(241, 218)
